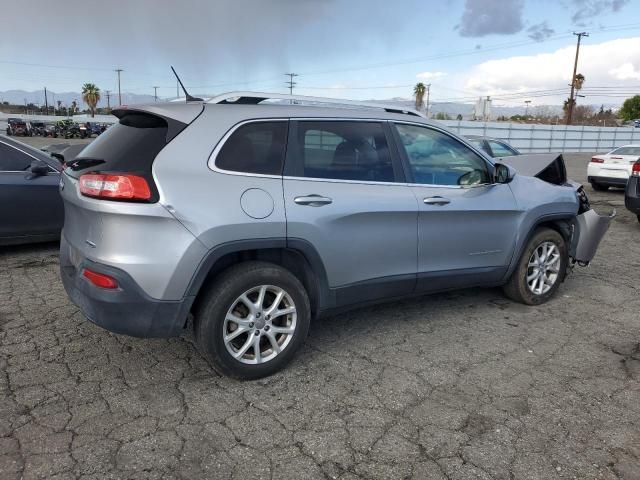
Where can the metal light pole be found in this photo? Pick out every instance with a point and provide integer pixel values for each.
(155, 93)
(428, 93)
(526, 109)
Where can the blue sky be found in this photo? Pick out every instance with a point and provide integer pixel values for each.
(340, 48)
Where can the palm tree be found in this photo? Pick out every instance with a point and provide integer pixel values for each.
(91, 96)
(418, 91)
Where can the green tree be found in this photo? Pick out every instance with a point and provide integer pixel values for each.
(91, 96)
(630, 108)
(418, 91)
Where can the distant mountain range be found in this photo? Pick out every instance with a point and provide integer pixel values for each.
(451, 109)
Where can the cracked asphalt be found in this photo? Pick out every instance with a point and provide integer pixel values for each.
(462, 385)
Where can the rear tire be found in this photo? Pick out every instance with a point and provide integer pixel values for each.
(599, 187)
(540, 270)
(251, 297)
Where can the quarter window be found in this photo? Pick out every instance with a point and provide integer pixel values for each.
(255, 148)
(438, 159)
(344, 150)
(12, 160)
(501, 150)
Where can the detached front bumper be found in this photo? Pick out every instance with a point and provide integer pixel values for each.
(589, 230)
(126, 309)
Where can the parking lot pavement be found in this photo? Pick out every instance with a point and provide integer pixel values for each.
(461, 385)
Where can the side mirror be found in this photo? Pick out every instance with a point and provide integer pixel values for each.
(503, 173)
(39, 168)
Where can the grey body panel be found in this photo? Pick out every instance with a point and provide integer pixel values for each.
(371, 233)
(475, 230)
(367, 232)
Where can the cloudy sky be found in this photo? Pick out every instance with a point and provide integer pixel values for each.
(361, 49)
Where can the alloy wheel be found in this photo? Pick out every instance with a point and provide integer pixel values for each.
(260, 324)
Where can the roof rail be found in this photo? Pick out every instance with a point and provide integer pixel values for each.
(254, 98)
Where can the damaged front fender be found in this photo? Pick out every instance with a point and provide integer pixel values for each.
(589, 230)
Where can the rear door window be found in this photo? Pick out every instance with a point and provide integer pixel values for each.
(343, 150)
(256, 147)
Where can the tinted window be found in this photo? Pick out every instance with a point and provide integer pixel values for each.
(130, 145)
(438, 159)
(479, 143)
(344, 151)
(501, 150)
(12, 160)
(255, 148)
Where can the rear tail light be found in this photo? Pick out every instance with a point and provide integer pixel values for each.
(597, 160)
(635, 171)
(100, 279)
(116, 187)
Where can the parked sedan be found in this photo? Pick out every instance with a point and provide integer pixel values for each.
(612, 169)
(632, 192)
(494, 147)
(30, 205)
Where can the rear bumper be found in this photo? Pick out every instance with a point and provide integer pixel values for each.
(609, 181)
(632, 195)
(126, 309)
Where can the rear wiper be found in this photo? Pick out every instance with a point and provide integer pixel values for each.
(82, 163)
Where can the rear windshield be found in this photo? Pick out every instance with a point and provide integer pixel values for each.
(627, 151)
(129, 146)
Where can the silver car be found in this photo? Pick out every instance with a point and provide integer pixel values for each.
(255, 213)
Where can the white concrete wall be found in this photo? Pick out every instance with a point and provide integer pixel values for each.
(534, 138)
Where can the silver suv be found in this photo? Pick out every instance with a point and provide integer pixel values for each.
(254, 213)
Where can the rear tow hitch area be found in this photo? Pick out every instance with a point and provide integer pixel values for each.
(589, 230)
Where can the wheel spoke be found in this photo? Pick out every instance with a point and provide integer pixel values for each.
(275, 303)
(244, 322)
(273, 341)
(235, 333)
(533, 275)
(287, 330)
(256, 348)
(284, 311)
(261, 294)
(248, 303)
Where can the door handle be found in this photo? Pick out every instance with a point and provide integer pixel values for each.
(313, 200)
(436, 201)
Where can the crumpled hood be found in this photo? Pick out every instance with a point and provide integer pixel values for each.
(549, 167)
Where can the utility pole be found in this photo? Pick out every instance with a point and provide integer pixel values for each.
(108, 93)
(46, 103)
(155, 93)
(428, 93)
(291, 83)
(526, 109)
(572, 99)
(118, 70)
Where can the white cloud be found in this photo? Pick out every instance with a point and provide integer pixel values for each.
(626, 71)
(605, 64)
(430, 75)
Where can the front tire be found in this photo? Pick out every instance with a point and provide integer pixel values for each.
(252, 320)
(598, 187)
(540, 270)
